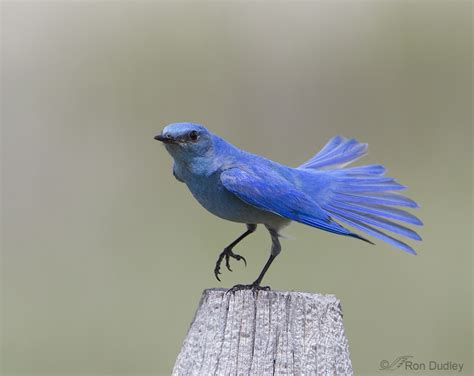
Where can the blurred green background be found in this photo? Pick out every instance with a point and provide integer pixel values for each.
(105, 254)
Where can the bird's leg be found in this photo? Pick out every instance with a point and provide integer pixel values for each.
(257, 282)
(227, 252)
(255, 286)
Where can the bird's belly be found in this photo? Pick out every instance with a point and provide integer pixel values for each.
(213, 196)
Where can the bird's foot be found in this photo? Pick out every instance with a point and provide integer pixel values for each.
(227, 253)
(254, 287)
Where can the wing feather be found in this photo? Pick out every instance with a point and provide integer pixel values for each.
(271, 192)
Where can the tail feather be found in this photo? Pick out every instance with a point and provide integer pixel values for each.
(374, 220)
(364, 202)
(362, 196)
(375, 169)
(364, 179)
(380, 210)
(366, 186)
(338, 152)
(377, 198)
(376, 233)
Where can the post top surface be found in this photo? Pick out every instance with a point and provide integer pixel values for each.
(321, 298)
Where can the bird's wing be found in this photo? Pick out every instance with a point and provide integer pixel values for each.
(268, 190)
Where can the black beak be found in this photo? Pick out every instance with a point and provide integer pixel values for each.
(166, 140)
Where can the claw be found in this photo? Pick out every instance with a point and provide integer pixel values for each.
(241, 258)
(227, 261)
(254, 287)
(216, 274)
(227, 253)
(217, 269)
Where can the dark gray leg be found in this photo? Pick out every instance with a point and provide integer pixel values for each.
(227, 252)
(276, 248)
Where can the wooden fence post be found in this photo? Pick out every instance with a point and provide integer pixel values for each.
(269, 333)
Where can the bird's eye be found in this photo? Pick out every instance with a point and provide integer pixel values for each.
(193, 135)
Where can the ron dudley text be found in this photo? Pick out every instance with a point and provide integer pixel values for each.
(433, 365)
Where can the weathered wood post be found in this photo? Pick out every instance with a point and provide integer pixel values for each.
(270, 333)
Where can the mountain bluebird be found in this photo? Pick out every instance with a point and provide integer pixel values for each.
(247, 188)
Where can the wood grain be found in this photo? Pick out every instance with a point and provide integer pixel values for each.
(269, 333)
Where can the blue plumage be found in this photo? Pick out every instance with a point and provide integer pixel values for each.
(243, 187)
(337, 153)
(280, 198)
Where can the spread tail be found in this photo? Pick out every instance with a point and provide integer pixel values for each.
(362, 196)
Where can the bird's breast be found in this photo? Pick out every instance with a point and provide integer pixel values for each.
(212, 195)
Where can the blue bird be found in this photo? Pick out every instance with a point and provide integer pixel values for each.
(247, 188)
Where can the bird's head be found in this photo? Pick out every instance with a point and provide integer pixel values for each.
(185, 141)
